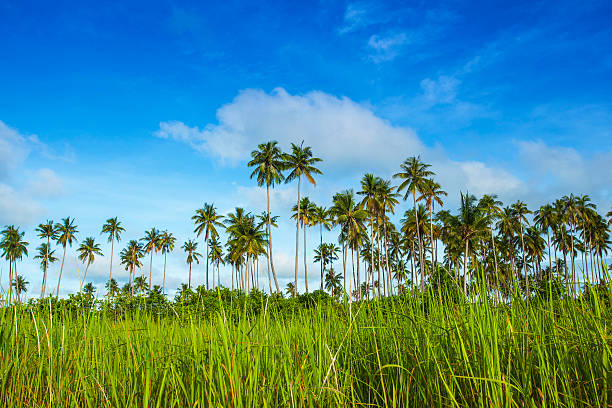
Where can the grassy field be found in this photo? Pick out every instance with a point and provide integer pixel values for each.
(391, 353)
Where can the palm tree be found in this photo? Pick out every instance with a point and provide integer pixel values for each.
(269, 164)
(369, 190)
(21, 286)
(300, 162)
(520, 211)
(89, 289)
(87, 253)
(333, 282)
(190, 247)
(113, 228)
(545, 219)
(290, 289)
(46, 256)
(351, 217)
(432, 194)
(66, 235)
(306, 218)
(207, 220)
(112, 287)
(46, 231)
(387, 200)
(321, 217)
(414, 175)
(216, 258)
(140, 284)
(491, 209)
(166, 244)
(130, 258)
(151, 244)
(14, 248)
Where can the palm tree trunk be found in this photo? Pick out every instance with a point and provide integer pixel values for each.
(270, 260)
(416, 215)
(44, 285)
(151, 270)
(344, 268)
(358, 272)
(297, 234)
(190, 275)
(305, 265)
(321, 249)
(389, 277)
(164, 281)
(206, 238)
(60, 275)
(110, 272)
(465, 267)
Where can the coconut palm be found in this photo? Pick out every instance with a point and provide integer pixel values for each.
(112, 287)
(216, 258)
(520, 213)
(300, 162)
(306, 218)
(369, 191)
(46, 231)
(21, 286)
(414, 176)
(46, 256)
(321, 217)
(14, 248)
(87, 253)
(268, 165)
(432, 194)
(113, 228)
(66, 235)
(190, 247)
(152, 244)
(387, 200)
(491, 208)
(166, 244)
(207, 220)
(130, 258)
(89, 289)
(140, 284)
(333, 282)
(290, 289)
(545, 220)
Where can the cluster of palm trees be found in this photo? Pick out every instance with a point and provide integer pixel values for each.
(505, 246)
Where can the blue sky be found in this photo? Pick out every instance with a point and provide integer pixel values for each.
(147, 110)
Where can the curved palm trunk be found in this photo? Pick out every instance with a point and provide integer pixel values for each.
(270, 260)
(85, 274)
(60, 275)
(297, 234)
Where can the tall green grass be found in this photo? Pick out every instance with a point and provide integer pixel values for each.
(411, 351)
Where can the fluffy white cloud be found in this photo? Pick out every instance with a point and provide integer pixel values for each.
(18, 208)
(13, 150)
(45, 184)
(344, 132)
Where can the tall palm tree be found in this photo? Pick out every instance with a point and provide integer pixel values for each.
(387, 200)
(21, 286)
(432, 194)
(545, 220)
(140, 284)
(46, 256)
(268, 165)
(321, 217)
(14, 248)
(112, 287)
(190, 247)
(87, 253)
(491, 208)
(207, 220)
(369, 190)
(306, 218)
(66, 235)
(152, 244)
(216, 259)
(333, 282)
(520, 213)
(113, 228)
(46, 231)
(130, 258)
(166, 244)
(414, 177)
(300, 162)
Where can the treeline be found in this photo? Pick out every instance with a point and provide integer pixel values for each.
(507, 249)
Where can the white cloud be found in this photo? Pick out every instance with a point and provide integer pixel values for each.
(45, 184)
(13, 150)
(18, 208)
(345, 133)
(387, 47)
(440, 91)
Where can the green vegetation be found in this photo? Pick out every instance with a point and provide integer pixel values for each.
(516, 312)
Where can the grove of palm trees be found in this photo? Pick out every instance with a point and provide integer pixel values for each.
(488, 304)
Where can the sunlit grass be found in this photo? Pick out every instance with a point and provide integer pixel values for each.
(410, 351)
